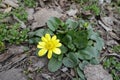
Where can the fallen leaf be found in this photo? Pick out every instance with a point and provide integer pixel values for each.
(72, 12)
(108, 21)
(46, 76)
(111, 43)
(62, 3)
(2, 5)
(4, 56)
(114, 36)
(18, 58)
(108, 1)
(42, 4)
(104, 26)
(8, 10)
(12, 3)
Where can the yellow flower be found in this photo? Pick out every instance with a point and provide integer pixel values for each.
(49, 44)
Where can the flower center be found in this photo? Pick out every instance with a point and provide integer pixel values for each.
(49, 45)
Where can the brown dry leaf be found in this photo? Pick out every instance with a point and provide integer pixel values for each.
(39, 77)
(7, 10)
(46, 76)
(87, 13)
(62, 3)
(72, 72)
(108, 21)
(72, 12)
(42, 4)
(18, 58)
(3, 5)
(4, 56)
(108, 1)
(12, 3)
(104, 26)
(114, 36)
(101, 2)
(111, 43)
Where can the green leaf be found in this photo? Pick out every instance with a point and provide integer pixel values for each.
(80, 39)
(118, 66)
(54, 64)
(39, 32)
(60, 57)
(99, 43)
(71, 24)
(83, 56)
(116, 48)
(71, 60)
(94, 61)
(88, 53)
(83, 64)
(63, 49)
(73, 57)
(42, 32)
(80, 73)
(67, 40)
(76, 79)
(68, 62)
(34, 40)
(53, 23)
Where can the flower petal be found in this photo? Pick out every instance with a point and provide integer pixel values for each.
(57, 41)
(49, 54)
(41, 45)
(44, 39)
(59, 45)
(47, 36)
(42, 52)
(57, 51)
(54, 37)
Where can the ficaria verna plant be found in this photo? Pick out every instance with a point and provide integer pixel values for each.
(73, 44)
(49, 44)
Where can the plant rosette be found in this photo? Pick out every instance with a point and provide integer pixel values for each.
(77, 45)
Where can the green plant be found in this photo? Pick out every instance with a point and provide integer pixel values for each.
(3, 15)
(91, 5)
(116, 49)
(13, 34)
(116, 2)
(30, 3)
(2, 46)
(113, 65)
(20, 13)
(94, 8)
(80, 44)
(81, 1)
